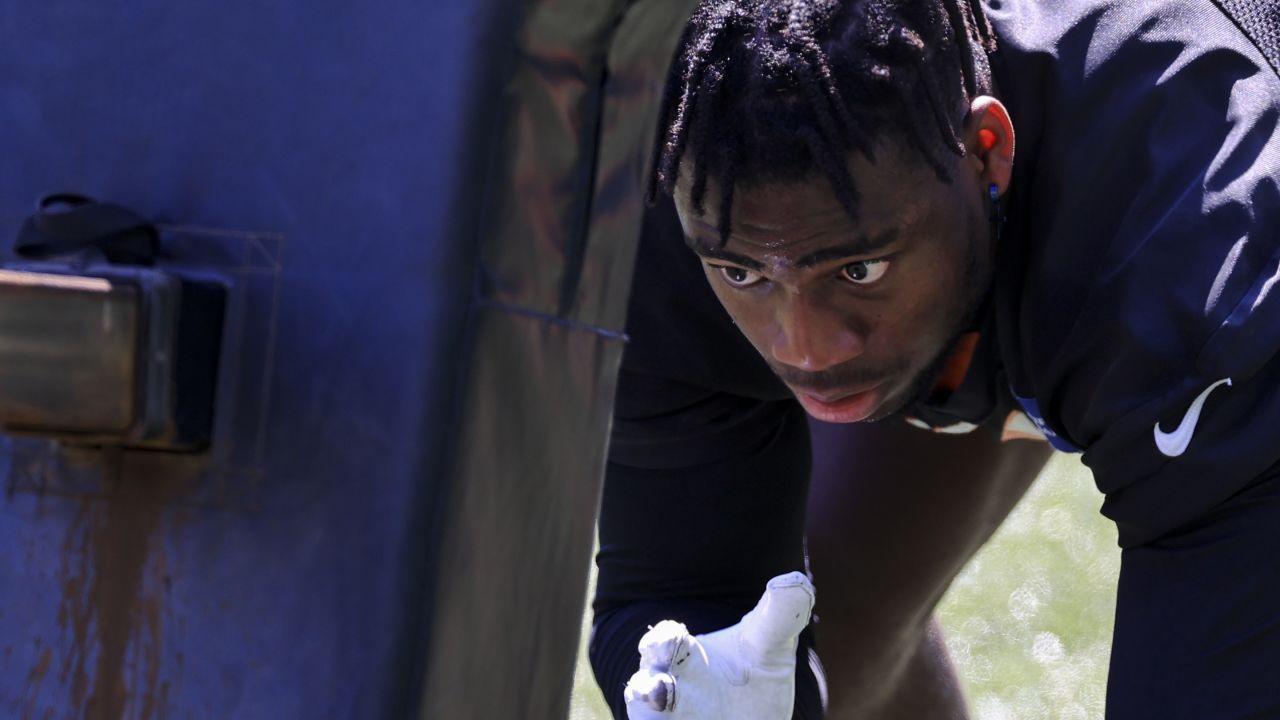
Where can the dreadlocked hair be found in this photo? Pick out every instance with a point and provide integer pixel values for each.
(779, 90)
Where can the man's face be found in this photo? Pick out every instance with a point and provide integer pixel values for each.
(855, 315)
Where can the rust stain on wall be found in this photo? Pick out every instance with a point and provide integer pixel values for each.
(74, 612)
(34, 680)
(115, 588)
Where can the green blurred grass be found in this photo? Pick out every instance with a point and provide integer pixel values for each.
(1028, 620)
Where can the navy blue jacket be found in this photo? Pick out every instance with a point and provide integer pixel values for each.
(1142, 246)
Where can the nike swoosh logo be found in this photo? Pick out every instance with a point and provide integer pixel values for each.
(1173, 444)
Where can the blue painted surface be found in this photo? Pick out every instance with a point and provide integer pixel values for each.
(317, 157)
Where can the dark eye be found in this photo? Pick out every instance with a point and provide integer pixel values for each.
(738, 277)
(865, 272)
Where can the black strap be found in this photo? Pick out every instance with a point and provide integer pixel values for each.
(67, 223)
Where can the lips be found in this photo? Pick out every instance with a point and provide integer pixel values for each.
(841, 406)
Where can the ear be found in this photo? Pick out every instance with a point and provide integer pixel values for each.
(988, 136)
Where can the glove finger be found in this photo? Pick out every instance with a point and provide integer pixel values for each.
(650, 695)
(772, 628)
(664, 646)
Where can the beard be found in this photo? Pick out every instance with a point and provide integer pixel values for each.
(981, 267)
(923, 383)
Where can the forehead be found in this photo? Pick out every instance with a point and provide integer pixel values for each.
(807, 214)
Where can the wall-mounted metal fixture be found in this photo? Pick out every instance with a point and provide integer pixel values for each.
(105, 353)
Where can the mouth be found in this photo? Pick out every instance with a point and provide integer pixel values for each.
(841, 406)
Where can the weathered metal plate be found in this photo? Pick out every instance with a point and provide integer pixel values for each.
(68, 353)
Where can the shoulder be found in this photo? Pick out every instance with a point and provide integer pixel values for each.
(1097, 31)
(1147, 197)
(1148, 224)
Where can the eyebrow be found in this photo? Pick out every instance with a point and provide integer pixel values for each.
(862, 246)
(714, 252)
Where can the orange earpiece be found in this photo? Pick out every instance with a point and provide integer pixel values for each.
(986, 139)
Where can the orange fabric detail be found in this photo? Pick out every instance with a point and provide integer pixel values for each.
(958, 364)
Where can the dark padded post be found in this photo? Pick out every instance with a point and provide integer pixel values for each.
(548, 339)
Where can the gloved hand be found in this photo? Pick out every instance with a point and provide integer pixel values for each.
(743, 672)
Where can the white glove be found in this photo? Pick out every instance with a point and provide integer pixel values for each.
(743, 672)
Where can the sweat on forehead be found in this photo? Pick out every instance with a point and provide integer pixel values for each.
(764, 205)
(766, 91)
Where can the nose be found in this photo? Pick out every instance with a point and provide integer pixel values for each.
(811, 336)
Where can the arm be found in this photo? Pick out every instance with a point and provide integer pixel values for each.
(708, 468)
(894, 514)
(696, 543)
